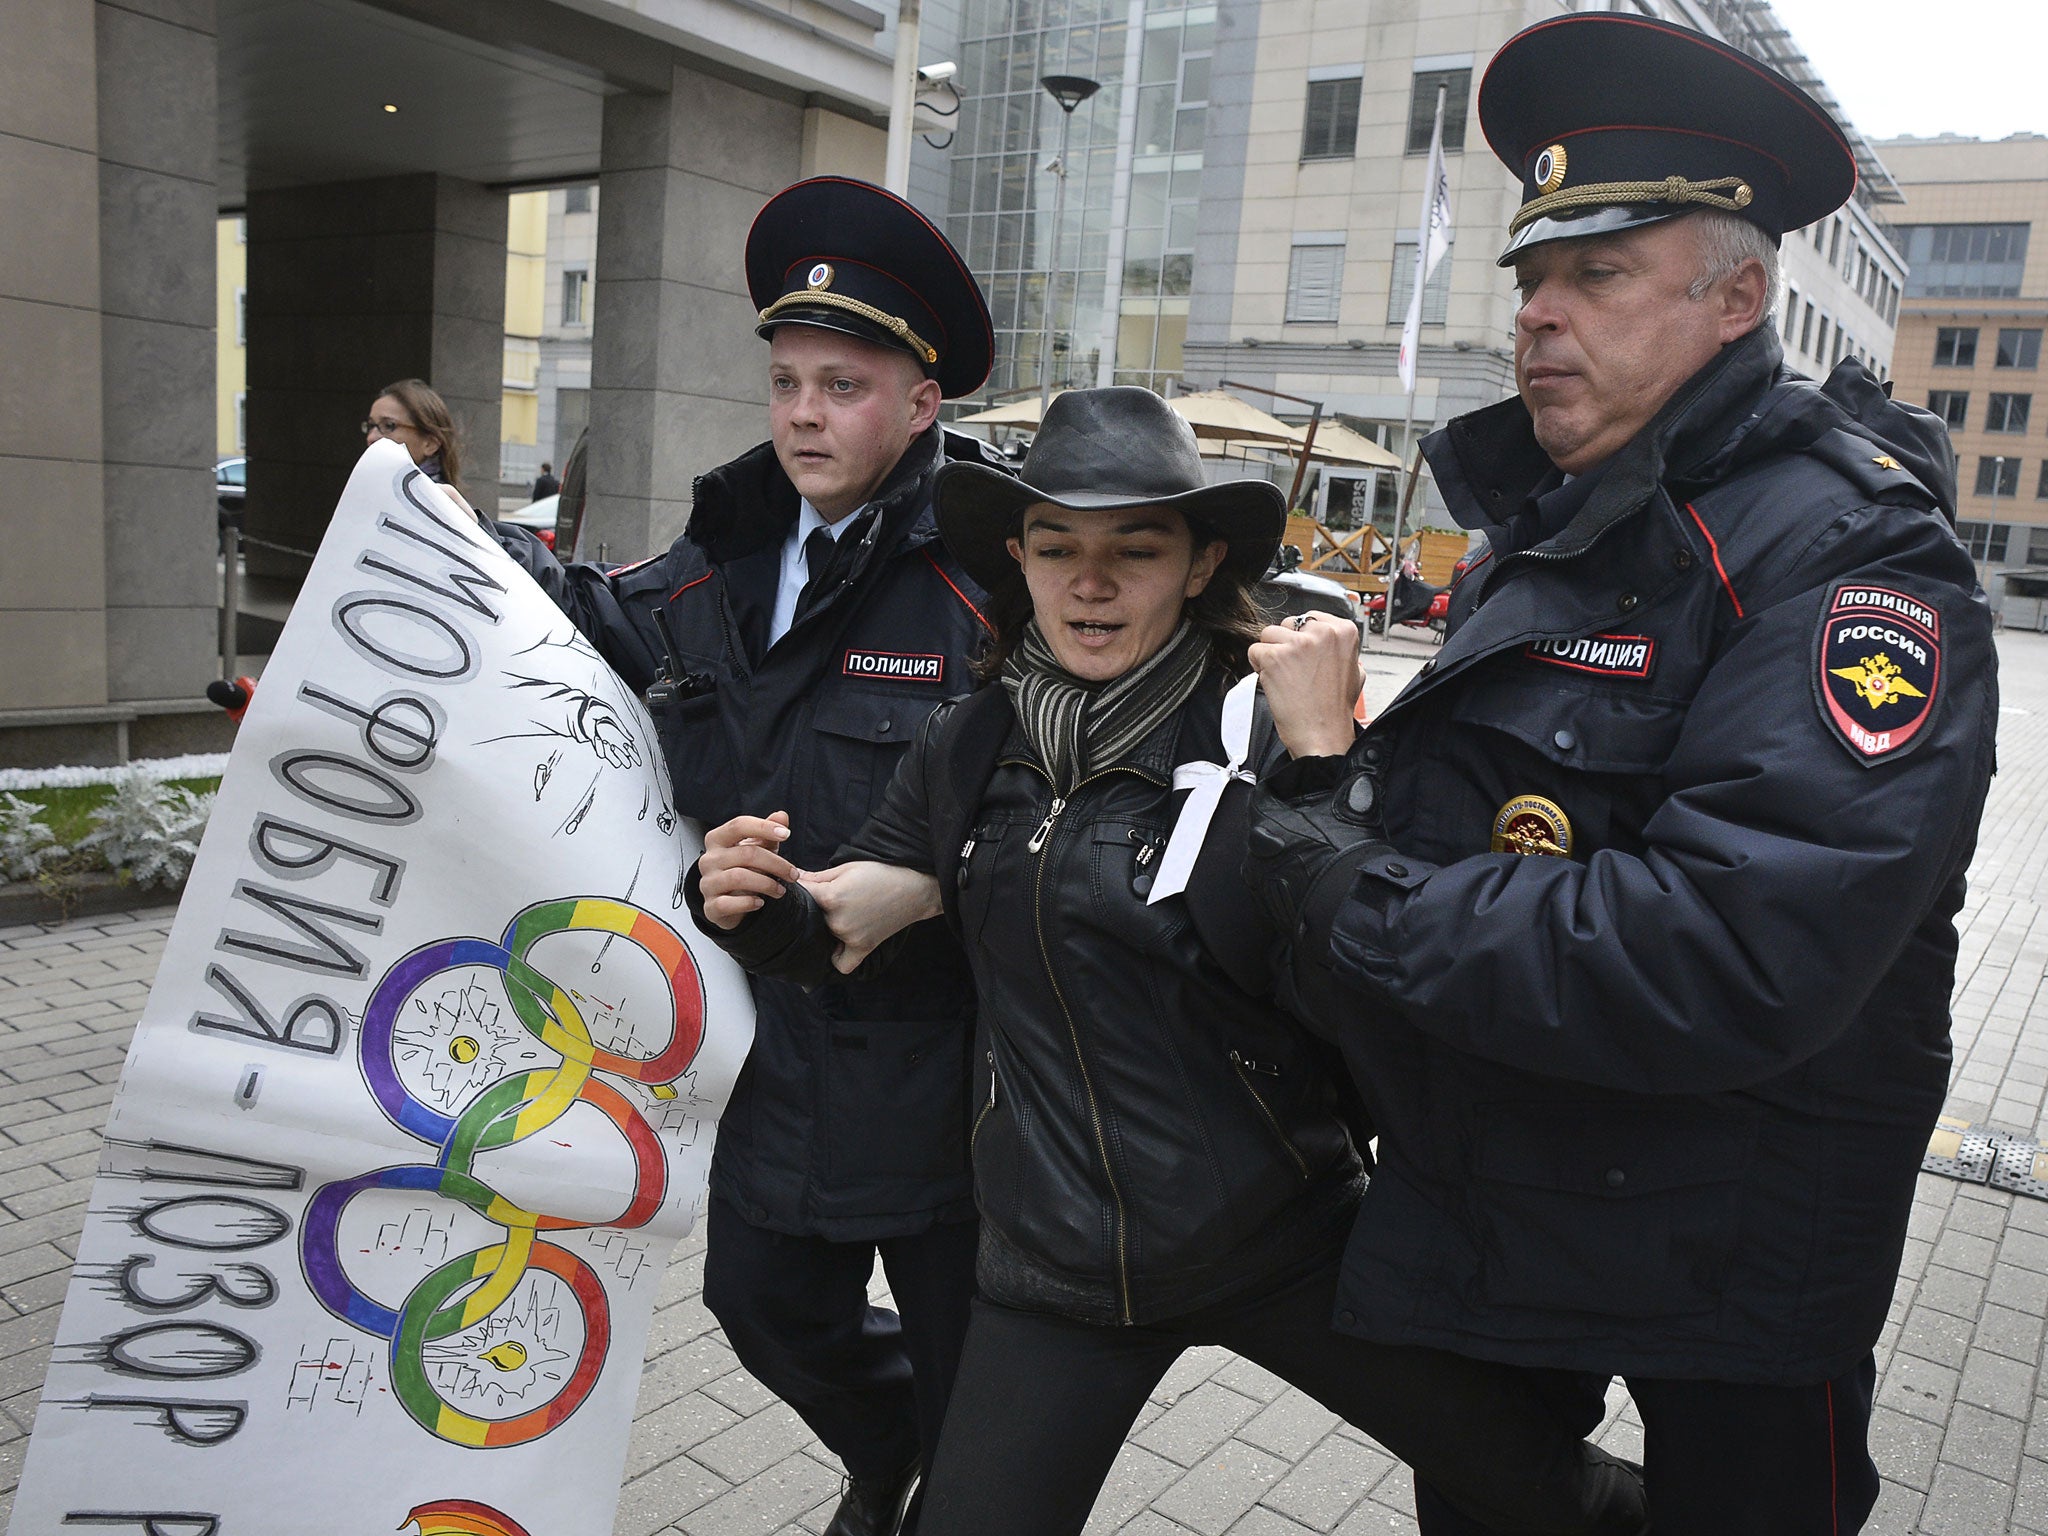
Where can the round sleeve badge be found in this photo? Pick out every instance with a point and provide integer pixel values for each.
(1877, 668)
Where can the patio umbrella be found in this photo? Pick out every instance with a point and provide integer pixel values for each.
(1019, 413)
(1337, 444)
(1214, 414)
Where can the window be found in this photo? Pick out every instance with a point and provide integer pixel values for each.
(1998, 476)
(2019, 349)
(1315, 278)
(1963, 261)
(1791, 313)
(1329, 131)
(576, 199)
(575, 289)
(1436, 294)
(1955, 346)
(2041, 494)
(1951, 405)
(240, 474)
(1422, 108)
(1806, 330)
(2007, 413)
(242, 317)
(1820, 349)
(1985, 541)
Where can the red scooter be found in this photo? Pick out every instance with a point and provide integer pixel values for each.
(1415, 603)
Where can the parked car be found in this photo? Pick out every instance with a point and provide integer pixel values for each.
(1285, 591)
(231, 482)
(536, 517)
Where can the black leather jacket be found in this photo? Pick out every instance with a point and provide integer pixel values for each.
(1150, 1137)
(849, 1120)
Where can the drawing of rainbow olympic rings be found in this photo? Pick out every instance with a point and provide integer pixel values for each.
(508, 1111)
(461, 1517)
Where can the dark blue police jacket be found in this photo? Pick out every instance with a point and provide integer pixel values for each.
(1657, 1105)
(849, 1119)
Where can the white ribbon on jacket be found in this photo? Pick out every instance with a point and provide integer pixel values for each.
(1205, 783)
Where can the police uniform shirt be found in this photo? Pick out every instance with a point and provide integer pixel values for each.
(795, 571)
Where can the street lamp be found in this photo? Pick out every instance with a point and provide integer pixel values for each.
(1069, 91)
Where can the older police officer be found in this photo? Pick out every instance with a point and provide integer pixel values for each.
(792, 642)
(1633, 914)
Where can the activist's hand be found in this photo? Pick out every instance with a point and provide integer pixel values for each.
(740, 869)
(1309, 669)
(867, 902)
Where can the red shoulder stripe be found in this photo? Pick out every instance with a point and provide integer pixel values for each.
(958, 593)
(679, 591)
(1726, 585)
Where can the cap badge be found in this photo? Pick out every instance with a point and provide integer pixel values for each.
(1532, 824)
(1549, 171)
(820, 276)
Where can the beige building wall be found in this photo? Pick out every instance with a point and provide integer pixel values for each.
(526, 296)
(1968, 181)
(1370, 200)
(836, 145)
(231, 339)
(1378, 192)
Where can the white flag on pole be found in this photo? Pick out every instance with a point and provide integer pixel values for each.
(1434, 241)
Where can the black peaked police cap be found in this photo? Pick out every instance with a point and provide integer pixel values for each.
(845, 255)
(1613, 121)
(1117, 447)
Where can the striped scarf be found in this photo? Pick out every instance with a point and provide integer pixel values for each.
(1079, 728)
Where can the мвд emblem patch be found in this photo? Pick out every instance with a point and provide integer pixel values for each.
(1877, 668)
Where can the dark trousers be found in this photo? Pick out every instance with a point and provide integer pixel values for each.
(1722, 1457)
(870, 1383)
(1042, 1404)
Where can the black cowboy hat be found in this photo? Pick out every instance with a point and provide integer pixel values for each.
(847, 256)
(1615, 121)
(1120, 447)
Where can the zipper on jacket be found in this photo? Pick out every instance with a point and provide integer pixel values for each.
(1045, 827)
(1245, 1067)
(986, 1109)
(1038, 841)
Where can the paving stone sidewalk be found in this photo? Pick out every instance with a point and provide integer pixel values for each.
(1961, 1430)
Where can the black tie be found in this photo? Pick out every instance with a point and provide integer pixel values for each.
(817, 555)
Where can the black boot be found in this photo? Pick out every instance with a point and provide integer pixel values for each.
(874, 1506)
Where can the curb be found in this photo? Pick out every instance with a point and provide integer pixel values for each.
(96, 895)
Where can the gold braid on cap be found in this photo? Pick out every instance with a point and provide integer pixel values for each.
(1729, 192)
(818, 298)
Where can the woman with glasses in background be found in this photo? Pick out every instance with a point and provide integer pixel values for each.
(413, 414)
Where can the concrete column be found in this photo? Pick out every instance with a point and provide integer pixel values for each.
(52, 575)
(157, 209)
(678, 378)
(353, 285)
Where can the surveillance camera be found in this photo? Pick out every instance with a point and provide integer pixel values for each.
(935, 74)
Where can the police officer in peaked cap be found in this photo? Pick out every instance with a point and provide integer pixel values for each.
(791, 643)
(1633, 913)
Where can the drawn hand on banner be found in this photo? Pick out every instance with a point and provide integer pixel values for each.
(498, 1345)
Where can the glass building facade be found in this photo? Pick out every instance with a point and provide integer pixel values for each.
(1134, 149)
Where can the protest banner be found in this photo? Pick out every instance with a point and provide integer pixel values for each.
(423, 1095)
